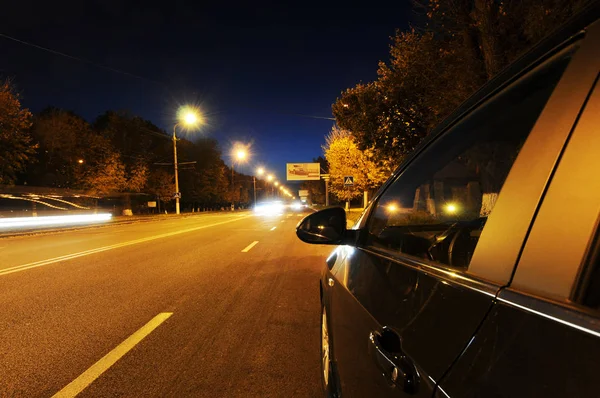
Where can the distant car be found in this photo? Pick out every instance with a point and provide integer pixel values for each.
(475, 271)
(269, 208)
(298, 205)
(298, 171)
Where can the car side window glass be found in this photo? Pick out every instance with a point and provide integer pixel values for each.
(437, 208)
(587, 288)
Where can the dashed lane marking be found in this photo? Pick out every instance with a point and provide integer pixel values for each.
(96, 370)
(249, 247)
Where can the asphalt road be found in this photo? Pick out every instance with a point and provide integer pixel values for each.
(171, 308)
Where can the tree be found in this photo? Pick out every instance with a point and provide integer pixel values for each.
(17, 149)
(161, 184)
(316, 189)
(107, 177)
(346, 159)
(68, 148)
(432, 70)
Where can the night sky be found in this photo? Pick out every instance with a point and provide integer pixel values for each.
(252, 68)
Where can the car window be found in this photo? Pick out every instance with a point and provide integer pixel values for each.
(587, 287)
(438, 207)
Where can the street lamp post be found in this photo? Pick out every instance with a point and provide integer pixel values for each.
(176, 171)
(270, 178)
(260, 172)
(189, 117)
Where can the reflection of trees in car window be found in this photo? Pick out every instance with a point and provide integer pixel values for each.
(438, 206)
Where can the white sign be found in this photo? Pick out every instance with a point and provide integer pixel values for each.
(303, 193)
(303, 171)
(151, 204)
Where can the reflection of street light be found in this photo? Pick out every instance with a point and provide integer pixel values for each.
(392, 208)
(189, 117)
(451, 208)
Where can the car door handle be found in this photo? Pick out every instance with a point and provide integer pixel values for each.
(397, 368)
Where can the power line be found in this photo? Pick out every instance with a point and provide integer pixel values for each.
(122, 72)
(87, 61)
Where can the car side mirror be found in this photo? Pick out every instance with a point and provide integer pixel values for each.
(326, 227)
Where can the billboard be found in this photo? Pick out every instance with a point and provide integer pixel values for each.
(303, 171)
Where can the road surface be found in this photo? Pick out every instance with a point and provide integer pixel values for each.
(212, 305)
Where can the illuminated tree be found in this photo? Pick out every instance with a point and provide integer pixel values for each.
(17, 149)
(346, 159)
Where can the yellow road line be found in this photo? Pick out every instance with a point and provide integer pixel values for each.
(23, 267)
(250, 246)
(94, 371)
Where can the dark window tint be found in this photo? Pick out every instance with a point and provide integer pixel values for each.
(438, 206)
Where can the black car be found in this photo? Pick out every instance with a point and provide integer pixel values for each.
(475, 270)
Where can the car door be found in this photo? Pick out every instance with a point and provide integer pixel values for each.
(542, 336)
(408, 299)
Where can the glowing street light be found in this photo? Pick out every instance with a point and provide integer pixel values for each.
(189, 117)
(270, 177)
(241, 154)
(80, 161)
(260, 171)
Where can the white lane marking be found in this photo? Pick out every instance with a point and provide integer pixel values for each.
(298, 215)
(289, 215)
(273, 229)
(96, 370)
(250, 246)
(40, 263)
(282, 220)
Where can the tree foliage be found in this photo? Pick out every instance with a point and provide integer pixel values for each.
(431, 70)
(17, 149)
(316, 189)
(107, 177)
(68, 149)
(346, 159)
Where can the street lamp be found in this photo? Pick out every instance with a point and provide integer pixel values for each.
(189, 117)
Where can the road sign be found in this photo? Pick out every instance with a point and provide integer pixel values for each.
(303, 171)
(303, 193)
(348, 180)
(151, 204)
(177, 195)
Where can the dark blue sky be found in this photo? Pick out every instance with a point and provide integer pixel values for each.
(251, 67)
